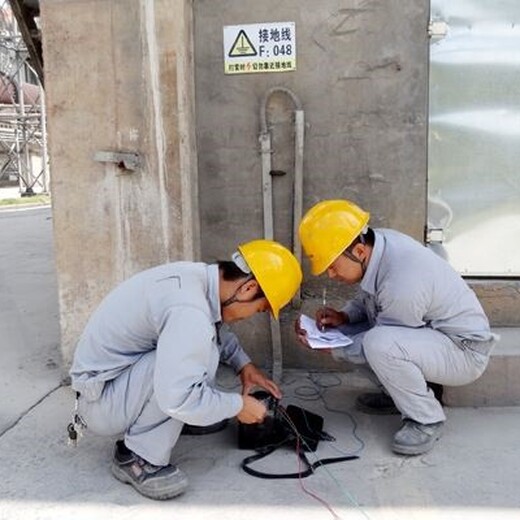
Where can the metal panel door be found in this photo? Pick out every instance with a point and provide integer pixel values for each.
(474, 136)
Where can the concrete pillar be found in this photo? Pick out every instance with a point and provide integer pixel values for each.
(119, 77)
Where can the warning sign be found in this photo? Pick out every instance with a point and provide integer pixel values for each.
(265, 47)
(242, 46)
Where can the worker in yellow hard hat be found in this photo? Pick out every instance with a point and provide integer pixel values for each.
(144, 368)
(274, 271)
(415, 323)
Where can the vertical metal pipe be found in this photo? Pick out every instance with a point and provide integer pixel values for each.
(267, 193)
(267, 196)
(299, 123)
(267, 185)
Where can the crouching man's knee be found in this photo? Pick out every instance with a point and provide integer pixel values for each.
(379, 344)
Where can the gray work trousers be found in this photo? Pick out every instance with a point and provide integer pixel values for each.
(128, 406)
(403, 359)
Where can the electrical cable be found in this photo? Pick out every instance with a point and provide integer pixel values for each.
(316, 392)
(299, 439)
(321, 396)
(350, 498)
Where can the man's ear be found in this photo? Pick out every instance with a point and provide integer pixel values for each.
(249, 288)
(359, 251)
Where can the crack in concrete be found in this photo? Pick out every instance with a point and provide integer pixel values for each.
(29, 410)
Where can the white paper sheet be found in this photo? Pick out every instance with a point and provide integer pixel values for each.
(328, 338)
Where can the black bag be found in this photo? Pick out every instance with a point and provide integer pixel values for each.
(293, 427)
(279, 428)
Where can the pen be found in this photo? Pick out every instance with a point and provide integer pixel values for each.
(324, 302)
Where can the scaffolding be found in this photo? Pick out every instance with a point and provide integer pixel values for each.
(23, 142)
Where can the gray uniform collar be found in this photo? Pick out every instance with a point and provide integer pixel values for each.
(368, 284)
(213, 293)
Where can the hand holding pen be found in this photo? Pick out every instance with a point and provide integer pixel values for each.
(327, 316)
(322, 313)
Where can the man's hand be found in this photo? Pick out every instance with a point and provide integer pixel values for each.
(301, 335)
(252, 376)
(329, 317)
(253, 410)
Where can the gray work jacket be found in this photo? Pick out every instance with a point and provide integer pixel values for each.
(174, 309)
(407, 284)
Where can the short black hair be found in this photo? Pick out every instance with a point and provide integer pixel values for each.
(368, 238)
(230, 271)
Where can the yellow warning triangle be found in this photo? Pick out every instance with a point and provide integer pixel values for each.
(242, 46)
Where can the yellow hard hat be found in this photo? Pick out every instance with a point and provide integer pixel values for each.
(275, 269)
(328, 228)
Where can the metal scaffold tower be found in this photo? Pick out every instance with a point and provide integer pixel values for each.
(23, 143)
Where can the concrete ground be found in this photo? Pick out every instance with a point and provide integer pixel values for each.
(473, 472)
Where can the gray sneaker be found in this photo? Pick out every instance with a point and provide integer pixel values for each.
(157, 482)
(415, 438)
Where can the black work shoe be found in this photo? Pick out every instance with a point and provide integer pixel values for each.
(376, 404)
(415, 438)
(437, 390)
(189, 429)
(157, 482)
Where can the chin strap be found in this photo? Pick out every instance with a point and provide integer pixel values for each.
(362, 263)
(234, 298)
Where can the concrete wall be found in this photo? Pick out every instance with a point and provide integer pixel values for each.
(362, 77)
(119, 77)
